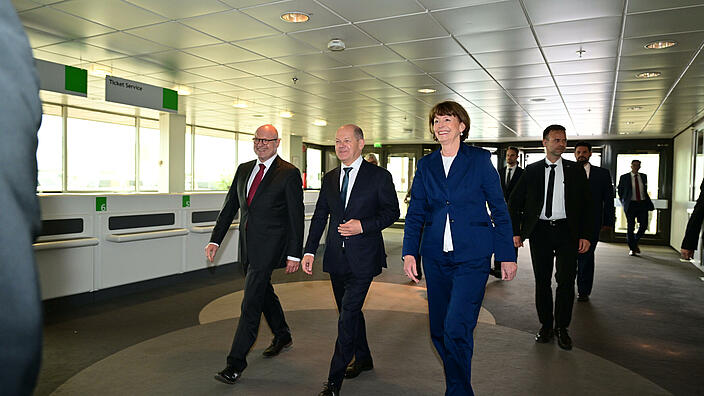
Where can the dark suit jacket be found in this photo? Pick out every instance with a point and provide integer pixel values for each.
(507, 188)
(373, 202)
(625, 190)
(602, 198)
(694, 225)
(528, 197)
(272, 227)
(471, 183)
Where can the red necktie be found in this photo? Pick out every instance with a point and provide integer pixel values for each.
(255, 184)
(635, 177)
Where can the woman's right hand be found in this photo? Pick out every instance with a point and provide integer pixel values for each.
(409, 267)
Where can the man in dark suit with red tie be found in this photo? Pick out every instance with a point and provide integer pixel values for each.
(269, 195)
(509, 176)
(360, 200)
(633, 193)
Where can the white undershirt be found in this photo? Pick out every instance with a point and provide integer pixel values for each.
(558, 193)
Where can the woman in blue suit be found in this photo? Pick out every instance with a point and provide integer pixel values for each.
(449, 197)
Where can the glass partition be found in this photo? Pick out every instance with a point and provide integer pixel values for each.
(49, 150)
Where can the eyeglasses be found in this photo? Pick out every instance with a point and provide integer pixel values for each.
(263, 141)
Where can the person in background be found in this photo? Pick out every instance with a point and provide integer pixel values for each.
(694, 227)
(633, 193)
(551, 205)
(268, 192)
(359, 200)
(603, 213)
(371, 158)
(20, 300)
(449, 196)
(509, 175)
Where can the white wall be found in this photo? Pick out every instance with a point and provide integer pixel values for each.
(681, 184)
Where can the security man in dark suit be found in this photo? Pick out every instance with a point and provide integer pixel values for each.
(633, 193)
(360, 200)
(603, 215)
(551, 205)
(268, 193)
(509, 175)
(694, 227)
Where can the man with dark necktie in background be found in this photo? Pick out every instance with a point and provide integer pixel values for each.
(551, 205)
(509, 178)
(633, 193)
(603, 215)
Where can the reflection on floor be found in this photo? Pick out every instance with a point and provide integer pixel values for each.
(640, 333)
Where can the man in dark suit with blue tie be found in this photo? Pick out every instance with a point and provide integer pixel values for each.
(602, 212)
(360, 200)
(633, 193)
(509, 175)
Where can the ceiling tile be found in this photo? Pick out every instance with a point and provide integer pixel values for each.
(444, 4)
(365, 56)
(482, 18)
(686, 42)
(510, 58)
(440, 47)
(551, 11)
(137, 65)
(437, 65)
(665, 22)
(223, 53)
(393, 30)
(125, 43)
(82, 51)
(176, 9)
(392, 69)
(219, 72)
(271, 15)
(310, 61)
(585, 78)
(276, 46)
(52, 21)
(341, 74)
(581, 31)
(178, 60)
(362, 10)
(179, 77)
(37, 38)
(113, 13)
(583, 66)
(653, 5)
(56, 58)
(221, 26)
(253, 82)
(506, 40)
(319, 38)
(262, 67)
(173, 34)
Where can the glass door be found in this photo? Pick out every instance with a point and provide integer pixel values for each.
(402, 167)
(650, 165)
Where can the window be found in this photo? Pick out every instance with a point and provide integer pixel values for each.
(314, 171)
(149, 147)
(50, 149)
(214, 159)
(100, 151)
(245, 148)
(650, 165)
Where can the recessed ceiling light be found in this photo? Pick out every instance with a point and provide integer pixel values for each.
(648, 74)
(632, 108)
(538, 100)
(426, 90)
(295, 17)
(258, 115)
(661, 44)
(320, 122)
(286, 114)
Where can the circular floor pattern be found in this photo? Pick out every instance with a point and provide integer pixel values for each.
(506, 362)
(318, 295)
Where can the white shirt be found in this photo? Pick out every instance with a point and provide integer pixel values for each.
(510, 171)
(558, 194)
(640, 187)
(353, 176)
(255, 170)
(447, 235)
(587, 168)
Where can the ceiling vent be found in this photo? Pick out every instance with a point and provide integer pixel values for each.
(336, 45)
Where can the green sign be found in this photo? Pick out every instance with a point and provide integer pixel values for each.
(170, 99)
(377, 145)
(60, 78)
(76, 79)
(101, 204)
(186, 201)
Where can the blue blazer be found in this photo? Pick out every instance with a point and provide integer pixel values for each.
(373, 202)
(471, 184)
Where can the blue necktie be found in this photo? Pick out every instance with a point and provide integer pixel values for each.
(345, 182)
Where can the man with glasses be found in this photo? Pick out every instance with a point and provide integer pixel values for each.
(268, 193)
(360, 200)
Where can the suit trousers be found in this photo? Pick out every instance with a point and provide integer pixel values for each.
(637, 210)
(259, 297)
(548, 244)
(350, 291)
(585, 269)
(455, 294)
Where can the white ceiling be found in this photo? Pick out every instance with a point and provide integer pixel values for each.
(494, 57)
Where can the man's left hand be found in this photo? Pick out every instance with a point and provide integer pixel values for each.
(583, 245)
(292, 266)
(352, 227)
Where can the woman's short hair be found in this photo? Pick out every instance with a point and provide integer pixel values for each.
(452, 109)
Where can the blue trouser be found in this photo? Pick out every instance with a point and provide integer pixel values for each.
(455, 294)
(585, 270)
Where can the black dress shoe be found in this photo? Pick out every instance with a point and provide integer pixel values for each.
(583, 298)
(637, 250)
(496, 273)
(563, 339)
(329, 390)
(544, 335)
(355, 368)
(632, 253)
(277, 345)
(228, 375)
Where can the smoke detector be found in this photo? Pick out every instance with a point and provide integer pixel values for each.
(336, 45)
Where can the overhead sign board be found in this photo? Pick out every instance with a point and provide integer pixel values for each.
(60, 78)
(120, 90)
